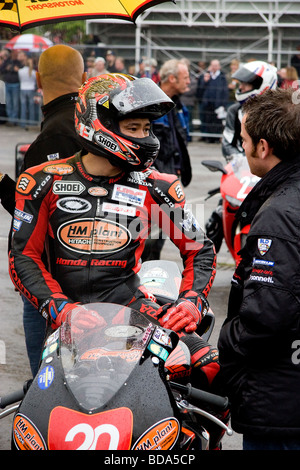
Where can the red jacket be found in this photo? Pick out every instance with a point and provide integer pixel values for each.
(95, 230)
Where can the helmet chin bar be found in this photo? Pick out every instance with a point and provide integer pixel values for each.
(119, 147)
(118, 160)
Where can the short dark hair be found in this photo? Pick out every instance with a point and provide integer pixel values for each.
(275, 117)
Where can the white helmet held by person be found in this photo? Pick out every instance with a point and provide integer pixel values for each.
(261, 75)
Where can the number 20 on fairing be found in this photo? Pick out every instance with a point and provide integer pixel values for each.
(72, 430)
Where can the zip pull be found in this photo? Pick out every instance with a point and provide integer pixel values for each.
(98, 207)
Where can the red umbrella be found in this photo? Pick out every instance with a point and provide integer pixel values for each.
(29, 42)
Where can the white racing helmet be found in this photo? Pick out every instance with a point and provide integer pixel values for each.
(261, 75)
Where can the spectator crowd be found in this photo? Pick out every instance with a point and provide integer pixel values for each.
(211, 89)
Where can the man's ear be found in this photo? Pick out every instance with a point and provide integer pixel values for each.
(172, 78)
(84, 77)
(38, 80)
(264, 149)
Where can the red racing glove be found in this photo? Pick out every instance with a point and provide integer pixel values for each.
(62, 314)
(82, 318)
(183, 314)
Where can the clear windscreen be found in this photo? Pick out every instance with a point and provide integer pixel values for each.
(97, 361)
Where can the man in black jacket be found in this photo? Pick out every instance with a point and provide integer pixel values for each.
(254, 78)
(172, 129)
(60, 74)
(172, 133)
(259, 341)
(212, 93)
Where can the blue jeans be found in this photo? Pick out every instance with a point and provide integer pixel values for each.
(261, 443)
(35, 330)
(27, 107)
(12, 95)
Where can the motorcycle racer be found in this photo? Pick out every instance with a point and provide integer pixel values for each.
(254, 78)
(94, 212)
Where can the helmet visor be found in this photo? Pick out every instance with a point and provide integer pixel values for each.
(142, 97)
(246, 76)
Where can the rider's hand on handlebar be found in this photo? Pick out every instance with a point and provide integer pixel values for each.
(82, 318)
(183, 314)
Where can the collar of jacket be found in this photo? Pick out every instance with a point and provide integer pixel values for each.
(265, 187)
(63, 100)
(177, 102)
(77, 161)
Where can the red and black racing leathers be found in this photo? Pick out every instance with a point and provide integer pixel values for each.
(96, 228)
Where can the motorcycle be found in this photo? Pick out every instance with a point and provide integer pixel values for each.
(236, 183)
(20, 150)
(123, 385)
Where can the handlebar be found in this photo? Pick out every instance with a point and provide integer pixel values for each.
(201, 396)
(11, 398)
(14, 397)
(212, 192)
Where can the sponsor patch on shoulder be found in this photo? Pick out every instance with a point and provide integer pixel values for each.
(59, 169)
(176, 191)
(264, 244)
(25, 183)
